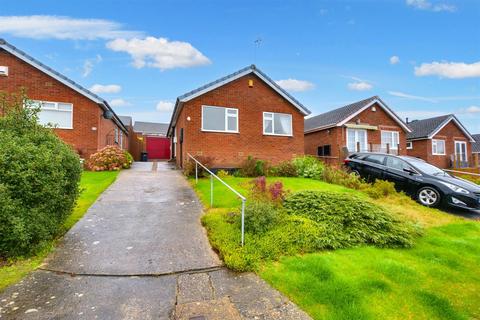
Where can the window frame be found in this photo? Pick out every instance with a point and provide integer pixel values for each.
(273, 124)
(435, 152)
(226, 109)
(41, 102)
(391, 132)
(409, 145)
(355, 135)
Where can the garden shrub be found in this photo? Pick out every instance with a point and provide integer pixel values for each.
(259, 216)
(273, 192)
(39, 179)
(341, 177)
(350, 220)
(189, 166)
(109, 158)
(308, 167)
(380, 189)
(222, 174)
(252, 167)
(285, 169)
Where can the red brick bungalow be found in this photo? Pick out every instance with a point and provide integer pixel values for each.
(81, 118)
(440, 141)
(240, 115)
(476, 150)
(367, 126)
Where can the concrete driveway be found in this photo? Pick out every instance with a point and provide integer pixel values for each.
(140, 252)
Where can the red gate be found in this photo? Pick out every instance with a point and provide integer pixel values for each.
(158, 148)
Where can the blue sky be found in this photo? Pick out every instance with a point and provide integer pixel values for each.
(422, 57)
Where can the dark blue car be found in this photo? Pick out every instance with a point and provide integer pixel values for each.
(427, 184)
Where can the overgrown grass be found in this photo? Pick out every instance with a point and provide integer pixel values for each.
(92, 184)
(436, 279)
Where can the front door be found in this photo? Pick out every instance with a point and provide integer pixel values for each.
(461, 153)
(356, 139)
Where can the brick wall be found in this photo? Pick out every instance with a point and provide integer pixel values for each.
(39, 86)
(336, 136)
(450, 133)
(230, 149)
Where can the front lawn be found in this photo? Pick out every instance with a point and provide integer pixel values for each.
(436, 279)
(92, 184)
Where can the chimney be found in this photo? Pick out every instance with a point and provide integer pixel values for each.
(406, 120)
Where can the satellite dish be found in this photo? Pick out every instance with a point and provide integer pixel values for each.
(108, 114)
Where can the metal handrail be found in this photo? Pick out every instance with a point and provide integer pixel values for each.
(213, 175)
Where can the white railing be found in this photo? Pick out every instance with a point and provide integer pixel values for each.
(213, 175)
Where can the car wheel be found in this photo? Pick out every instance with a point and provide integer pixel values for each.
(429, 197)
(355, 173)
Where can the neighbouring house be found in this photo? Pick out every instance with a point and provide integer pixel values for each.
(242, 114)
(442, 141)
(476, 150)
(80, 117)
(151, 137)
(367, 126)
(128, 123)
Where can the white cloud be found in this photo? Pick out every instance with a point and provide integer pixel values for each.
(394, 59)
(159, 53)
(427, 5)
(452, 70)
(295, 85)
(108, 88)
(165, 106)
(473, 109)
(63, 28)
(119, 103)
(89, 64)
(360, 86)
(410, 96)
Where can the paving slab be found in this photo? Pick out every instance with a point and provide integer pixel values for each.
(46, 295)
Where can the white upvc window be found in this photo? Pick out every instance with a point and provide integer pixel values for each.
(357, 138)
(392, 138)
(438, 147)
(55, 114)
(219, 119)
(121, 140)
(277, 124)
(409, 145)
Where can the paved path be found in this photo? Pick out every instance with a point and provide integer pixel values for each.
(140, 252)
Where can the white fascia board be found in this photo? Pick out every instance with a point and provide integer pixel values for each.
(385, 108)
(462, 128)
(51, 74)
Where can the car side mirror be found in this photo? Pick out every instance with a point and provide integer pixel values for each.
(410, 171)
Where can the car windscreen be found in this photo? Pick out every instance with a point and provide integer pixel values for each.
(427, 168)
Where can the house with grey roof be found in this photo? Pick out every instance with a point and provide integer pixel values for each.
(236, 116)
(368, 125)
(442, 141)
(151, 128)
(79, 117)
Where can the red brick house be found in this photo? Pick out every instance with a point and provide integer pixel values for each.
(81, 118)
(440, 141)
(240, 115)
(476, 150)
(367, 126)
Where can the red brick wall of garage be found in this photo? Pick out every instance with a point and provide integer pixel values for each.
(40, 86)
(337, 136)
(230, 149)
(450, 133)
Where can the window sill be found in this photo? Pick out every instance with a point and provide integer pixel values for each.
(60, 128)
(278, 135)
(439, 154)
(218, 131)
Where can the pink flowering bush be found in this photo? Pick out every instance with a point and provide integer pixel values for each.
(109, 158)
(271, 193)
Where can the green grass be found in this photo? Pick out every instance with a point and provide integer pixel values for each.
(224, 198)
(436, 279)
(92, 184)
